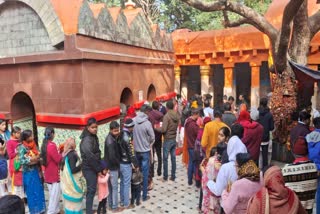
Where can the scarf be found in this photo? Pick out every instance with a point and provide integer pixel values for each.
(249, 171)
(32, 147)
(243, 116)
(68, 146)
(274, 197)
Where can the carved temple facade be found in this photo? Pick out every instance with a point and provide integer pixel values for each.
(62, 62)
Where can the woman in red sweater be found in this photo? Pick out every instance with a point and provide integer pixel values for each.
(51, 160)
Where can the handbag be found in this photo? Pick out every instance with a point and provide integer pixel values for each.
(16, 164)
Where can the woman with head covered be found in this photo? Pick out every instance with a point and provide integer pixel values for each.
(228, 173)
(274, 197)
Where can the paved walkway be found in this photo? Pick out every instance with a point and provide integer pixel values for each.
(166, 197)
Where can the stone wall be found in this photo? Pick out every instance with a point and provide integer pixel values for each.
(22, 31)
(130, 27)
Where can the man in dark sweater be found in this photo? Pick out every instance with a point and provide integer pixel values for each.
(191, 130)
(228, 117)
(156, 117)
(266, 120)
(169, 130)
(300, 131)
(112, 158)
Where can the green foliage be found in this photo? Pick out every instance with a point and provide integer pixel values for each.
(110, 3)
(175, 14)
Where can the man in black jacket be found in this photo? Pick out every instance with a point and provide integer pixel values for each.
(112, 157)
(128, 161)
(266, 120)
(90, 155)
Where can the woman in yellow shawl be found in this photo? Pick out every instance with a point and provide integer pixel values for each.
(72, 182)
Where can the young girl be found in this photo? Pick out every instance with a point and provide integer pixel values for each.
(210, 169)
(103, 191)
(51, 160)
(223, 138)
(14, 164)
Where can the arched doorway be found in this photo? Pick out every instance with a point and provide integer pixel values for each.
(126, 97)
(151, 95)
(23, 113)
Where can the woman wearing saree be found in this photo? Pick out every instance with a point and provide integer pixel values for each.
(72, 184)
(274, 197)
(29, 160)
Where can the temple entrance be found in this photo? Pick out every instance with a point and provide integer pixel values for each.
(151, 94)
(218, 84)
(243, 81)
(190, 81)
(23, 113)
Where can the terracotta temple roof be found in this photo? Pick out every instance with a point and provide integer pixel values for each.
(234, 39)
(128, 26)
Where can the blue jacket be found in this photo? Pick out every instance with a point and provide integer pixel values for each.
(313, 140)
(3, 169)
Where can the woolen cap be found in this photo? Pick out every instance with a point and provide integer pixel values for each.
(300, 147)
(129, 123)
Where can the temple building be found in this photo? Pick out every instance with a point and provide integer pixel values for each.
(231, 61)
(62, 62)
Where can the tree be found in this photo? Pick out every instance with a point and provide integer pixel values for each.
(110, 3)
(291, 41)
(174, 15)
(150, 8)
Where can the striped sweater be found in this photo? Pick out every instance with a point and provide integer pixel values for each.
(302, 179)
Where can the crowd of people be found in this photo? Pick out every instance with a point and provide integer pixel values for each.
(226, 151)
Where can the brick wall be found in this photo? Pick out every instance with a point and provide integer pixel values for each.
(21, 31)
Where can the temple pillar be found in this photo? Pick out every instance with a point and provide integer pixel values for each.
(229, 88)
(255, 84)
(206, 84)
(183, 83)
(206, 87)
(177, 76)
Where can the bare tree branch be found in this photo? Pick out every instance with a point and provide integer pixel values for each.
(248, 13)
(150, 9)
(228, 23)
(314, 23)
(289, 13)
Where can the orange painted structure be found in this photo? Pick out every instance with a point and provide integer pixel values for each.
(73, 59)
(231, 61)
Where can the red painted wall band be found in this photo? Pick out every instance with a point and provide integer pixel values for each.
(99, 115)
(80, 119)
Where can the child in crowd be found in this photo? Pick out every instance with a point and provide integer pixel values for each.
(210, 168)
(136, 181)
(103, 191)
(14, 164)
